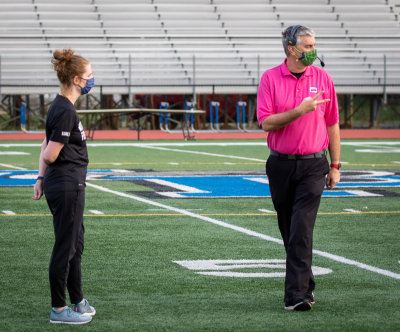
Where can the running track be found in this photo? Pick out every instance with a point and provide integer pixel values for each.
(160, 135)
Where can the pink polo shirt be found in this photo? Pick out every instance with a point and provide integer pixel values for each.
(280, 91)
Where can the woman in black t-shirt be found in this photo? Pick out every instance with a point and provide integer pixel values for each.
(62, 174)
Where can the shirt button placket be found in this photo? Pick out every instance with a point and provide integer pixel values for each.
(298, 93)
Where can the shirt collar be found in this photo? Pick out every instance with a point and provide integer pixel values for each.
(286, 72)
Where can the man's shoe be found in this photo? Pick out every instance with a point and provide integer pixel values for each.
(84, 308)
(68, 316)
(298, 305)
(311, 298)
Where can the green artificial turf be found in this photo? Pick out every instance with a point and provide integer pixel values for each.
(130, 276)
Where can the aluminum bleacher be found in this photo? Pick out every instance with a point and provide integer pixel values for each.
(219, 45)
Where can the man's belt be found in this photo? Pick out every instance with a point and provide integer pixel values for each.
(298, 156)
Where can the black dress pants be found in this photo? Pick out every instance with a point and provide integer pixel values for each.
(65, 263)
(296, 187)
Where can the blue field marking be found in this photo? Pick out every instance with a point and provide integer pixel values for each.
(256, 186)
(242, 186)
(213, 186)
(17, 178)
(353, 184)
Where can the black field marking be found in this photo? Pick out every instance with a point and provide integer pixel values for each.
(385, 193)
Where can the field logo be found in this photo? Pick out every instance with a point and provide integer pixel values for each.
(353, 184)
(209, 185)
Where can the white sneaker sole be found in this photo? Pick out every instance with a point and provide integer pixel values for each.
(301, 306)
(69, 323)
(90, 313)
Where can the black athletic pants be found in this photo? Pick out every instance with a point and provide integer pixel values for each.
(296, 187)
(65, 263)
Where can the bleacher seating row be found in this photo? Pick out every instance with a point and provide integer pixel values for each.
(230, 42)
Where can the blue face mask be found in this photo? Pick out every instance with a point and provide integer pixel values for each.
(88, 86)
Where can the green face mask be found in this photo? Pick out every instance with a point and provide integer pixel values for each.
(307, 58)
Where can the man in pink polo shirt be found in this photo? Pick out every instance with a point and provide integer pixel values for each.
(297, 106)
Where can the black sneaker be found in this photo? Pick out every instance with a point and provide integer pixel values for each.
(311, 298)
(299, 305)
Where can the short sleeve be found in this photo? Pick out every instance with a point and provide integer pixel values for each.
(62, 126)
(332, 109)
(264, 99)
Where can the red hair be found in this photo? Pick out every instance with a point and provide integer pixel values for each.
(68, 65)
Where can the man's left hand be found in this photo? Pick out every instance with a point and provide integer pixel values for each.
(332, 178)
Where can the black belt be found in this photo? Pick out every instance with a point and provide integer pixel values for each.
(298, 156)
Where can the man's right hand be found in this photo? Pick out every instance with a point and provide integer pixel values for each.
(309, 104)
(282, 119)
(38, 190)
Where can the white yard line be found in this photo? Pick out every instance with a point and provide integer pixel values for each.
(15, 167)
(370, 143)
(247, 231)
(13, 153)
(382, 150)
(30, 145)
(363, 266)
(203, 153)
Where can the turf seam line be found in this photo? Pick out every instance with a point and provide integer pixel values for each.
(248, 232)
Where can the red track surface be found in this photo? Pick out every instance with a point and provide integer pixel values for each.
(160, 135)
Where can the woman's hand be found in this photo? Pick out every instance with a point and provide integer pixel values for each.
(38, 190)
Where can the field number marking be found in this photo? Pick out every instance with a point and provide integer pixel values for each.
(225, 268)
